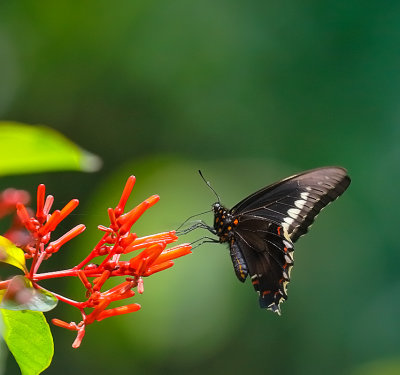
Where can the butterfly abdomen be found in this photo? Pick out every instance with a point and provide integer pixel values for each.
(239, 263)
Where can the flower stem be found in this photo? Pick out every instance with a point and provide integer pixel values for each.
(61, 298)
(55, 274)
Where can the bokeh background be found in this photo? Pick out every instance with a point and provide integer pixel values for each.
(249, 92)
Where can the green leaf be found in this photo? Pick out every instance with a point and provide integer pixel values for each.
(28, 149)
(11, 254)
(29, 339)
(22, 296)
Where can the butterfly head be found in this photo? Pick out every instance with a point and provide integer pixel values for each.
(217, 207)
(220, 212)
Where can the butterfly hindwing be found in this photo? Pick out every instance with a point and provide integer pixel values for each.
(269, 259)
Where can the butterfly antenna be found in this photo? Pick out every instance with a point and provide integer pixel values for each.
(209, 185)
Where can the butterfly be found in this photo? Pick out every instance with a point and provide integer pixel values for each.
(262, 228)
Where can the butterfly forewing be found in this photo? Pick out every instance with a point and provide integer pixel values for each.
(295, 201)
(262, 228)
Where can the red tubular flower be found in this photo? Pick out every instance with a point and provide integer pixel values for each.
(140, 286)
(126, 221)
(69, 207)
(164, 260)
(47, 205)
(86, 283)
(23, 214)
(9, 199)
(117, 241)
(143, 242)
(55, 245)
(40, 215)
(173, 253)
(120, 289)
(125, 195)
(139, 263)
(61, 323)
(113, 219)
(98, 283)
(50, 225)
(126, 241)
(158, 267)
(118, 311)
(79, 337)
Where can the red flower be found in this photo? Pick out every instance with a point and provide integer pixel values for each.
(149, 255)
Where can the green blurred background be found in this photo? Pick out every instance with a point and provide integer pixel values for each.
(249, 92)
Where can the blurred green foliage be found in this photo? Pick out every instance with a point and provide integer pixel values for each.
(249, 92)
(40, 149)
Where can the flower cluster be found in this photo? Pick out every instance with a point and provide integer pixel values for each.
(150, 255)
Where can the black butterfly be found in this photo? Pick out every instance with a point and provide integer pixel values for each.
(262, 228)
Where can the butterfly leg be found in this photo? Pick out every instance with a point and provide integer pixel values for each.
(198, 224)
(191, 217)
(203, 240)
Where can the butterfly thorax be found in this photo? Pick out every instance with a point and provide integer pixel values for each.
(224, 222)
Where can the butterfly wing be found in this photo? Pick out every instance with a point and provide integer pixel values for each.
(294, 202)
(268, 259)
